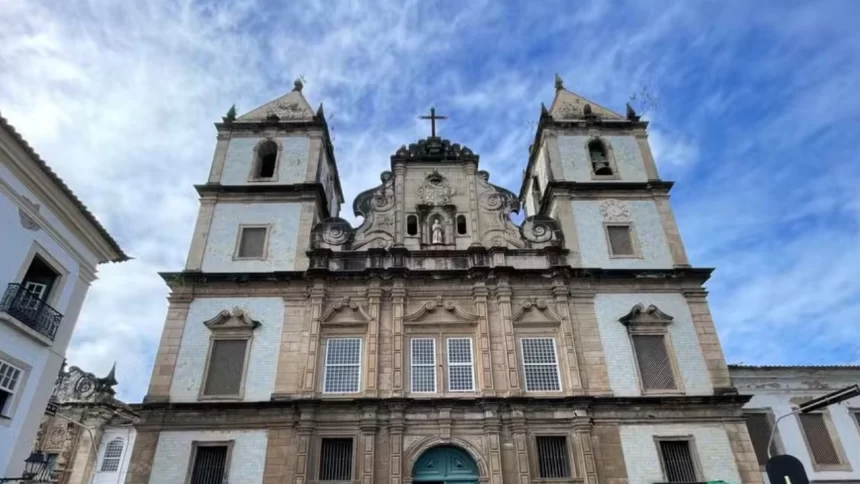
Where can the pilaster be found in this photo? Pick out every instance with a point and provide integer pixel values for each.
(519, 428)
(585, 450)
(503, 295)
(201, 235)
(595, 378)
(709, 343)
(745, 458)
(670, 228)
(219, 157)
(492, 444)
(474, 219)
(374, 293)
(140, 466)
(396, 425)
(400, 210)
(485, 359)
(398, 296)
(647, 156)
(560, 291)
(368, 427)
(304, 434)
(317, 297)
(168, 350)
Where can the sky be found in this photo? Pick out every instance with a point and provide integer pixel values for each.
(755, 117)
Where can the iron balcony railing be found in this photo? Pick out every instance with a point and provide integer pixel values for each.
(32, 311)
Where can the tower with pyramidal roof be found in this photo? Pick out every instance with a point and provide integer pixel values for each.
(438, 341)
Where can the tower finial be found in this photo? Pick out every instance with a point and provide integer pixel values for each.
(298, 85)
(559, 83)
(231, 115)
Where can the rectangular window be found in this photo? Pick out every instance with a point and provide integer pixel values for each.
(620, 240)
(818, 438)
(226, 367)
(678, 461)
(423, 365)
(553, 459)
(461, 373)
(252, 243)
(210, 465)
(336, 459)
(112, 455)
(655, 367)
(10, 378)
(540, 365)
(759, 427)
(342, 365)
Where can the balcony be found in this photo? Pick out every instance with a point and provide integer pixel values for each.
(30, 310)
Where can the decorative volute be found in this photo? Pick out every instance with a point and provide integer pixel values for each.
(639, 315)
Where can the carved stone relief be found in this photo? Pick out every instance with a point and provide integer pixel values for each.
(435, 191)
(495, 205)
(614, 211)
(26, 221)
(376, 206)
(451, 312)
(337, 313)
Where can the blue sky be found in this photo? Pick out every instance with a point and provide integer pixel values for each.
(756, 121)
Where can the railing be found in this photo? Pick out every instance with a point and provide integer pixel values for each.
(30, 310)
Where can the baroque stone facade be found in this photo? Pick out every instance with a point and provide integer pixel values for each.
(438, 341)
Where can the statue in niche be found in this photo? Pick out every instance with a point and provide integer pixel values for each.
(437, 232)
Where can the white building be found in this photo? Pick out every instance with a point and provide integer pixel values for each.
(827, 442)
(50, 245)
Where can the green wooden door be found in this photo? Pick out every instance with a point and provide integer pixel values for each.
(446, 464)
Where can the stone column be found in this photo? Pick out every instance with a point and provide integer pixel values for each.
(374, 293)
(485, 358)
(492, 444)
(396, 425)
(712, 352)
(317, 297)
(368, 427)
(400, 197)
(304, 436)
(168, 349)
(503, 295)
(140, 466)
(560, 291)
(519, 427)
(583, 446)
(398, 295)
(595, 378)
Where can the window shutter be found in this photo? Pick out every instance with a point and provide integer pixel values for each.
(678, 461)
(209, 465)
(461, 375)
(336, 459)
(342, 365)
(759, 427)
(553, 460)
(654, 365)
(423, 365)
(226, 367)
(253, 241)
(112, 455)
(620, 241)
(540, 365)
(818, 437)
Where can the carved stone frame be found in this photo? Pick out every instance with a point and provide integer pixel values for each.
(227, 325)
(844, 464)
(572, 460)
(634, 240)
(316, 460)
(652, 322)
(255, 162)
(238, 246)
(694, 454)
(202, 443)
(447, 215)
(610, 158)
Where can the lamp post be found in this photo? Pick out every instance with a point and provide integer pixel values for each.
(33, 466)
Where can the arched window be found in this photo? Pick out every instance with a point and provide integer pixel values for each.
(112, 455)
(267, 158)
(599, 158)
(461, 224)
(537, 196)
(411, 225)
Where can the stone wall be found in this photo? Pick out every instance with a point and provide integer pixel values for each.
(576, 163)
(292, 164)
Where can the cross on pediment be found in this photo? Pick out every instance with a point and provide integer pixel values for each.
(433, 117)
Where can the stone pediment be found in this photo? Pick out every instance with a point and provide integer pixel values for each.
(535, 311)
(345, 312)
(237, 319)
(568, 106)
(291, 107)
(639, 315)
(439, 311)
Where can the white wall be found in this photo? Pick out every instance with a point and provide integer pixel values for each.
(127, 434)
(648, 234)
(283, 219)
(173, 453)
(263, 360)
(776, 394)
(576, 163)
(240, 158)
(620, 360)
(642, 458)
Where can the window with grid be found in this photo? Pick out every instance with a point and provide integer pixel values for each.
(759, 427)
(112, 455)
(678, 461)
(655, 368)
(540, 365)
(423, 365)
(226, 367)
(336, 459)
(461, 373)
(10, 378)
(620, 240)
(342, 365)
(821, 444)
(252, 242)
(553, 459)
(210, 465)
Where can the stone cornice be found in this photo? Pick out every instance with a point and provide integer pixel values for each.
(270, 192)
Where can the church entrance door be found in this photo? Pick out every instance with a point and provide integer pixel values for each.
(445, 465)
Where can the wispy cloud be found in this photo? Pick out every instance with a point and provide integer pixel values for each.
(755, 122)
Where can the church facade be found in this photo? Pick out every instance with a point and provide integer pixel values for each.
(439, 341)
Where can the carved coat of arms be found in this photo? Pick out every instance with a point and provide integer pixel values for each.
(435, 191)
